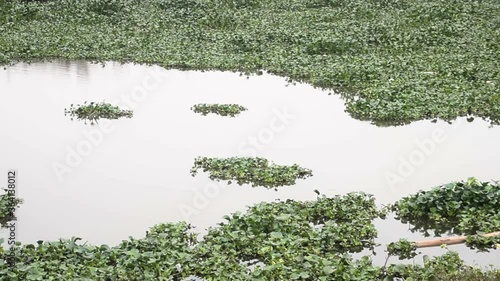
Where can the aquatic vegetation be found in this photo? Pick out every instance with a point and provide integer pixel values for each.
(466, 207)
(403, 248)
(394, 62)
(282, 240)
(469, 208)
(220, 109)
(94, 111)
(246, 170)
(151, 258)
(288, 240)
(8, 205)
(448, 267)
(482, 243)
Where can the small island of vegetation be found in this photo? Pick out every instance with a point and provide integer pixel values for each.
(94, 111)
(231, 110)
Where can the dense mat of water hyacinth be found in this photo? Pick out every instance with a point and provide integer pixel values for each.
(394, 61)
(281, 240)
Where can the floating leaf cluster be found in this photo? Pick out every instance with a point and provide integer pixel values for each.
(8, 205)
(220, 109)
(482, 243)
(403, 248)
(94, 111)
(290, 240)
(459, 208)
(247, 170)
(447, 267)
(393, 61)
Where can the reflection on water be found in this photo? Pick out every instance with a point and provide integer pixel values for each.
(78, 70)
(106, 182)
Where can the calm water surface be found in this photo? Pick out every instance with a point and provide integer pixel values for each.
(107, 182)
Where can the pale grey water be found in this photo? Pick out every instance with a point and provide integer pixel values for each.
(137, 174)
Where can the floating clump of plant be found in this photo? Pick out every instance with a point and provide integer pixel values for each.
(466, 207)
(94, 111)
(403, 248)
(247, 170)
(447, 267)
(483, 243)
(220, 109)
(8, 205)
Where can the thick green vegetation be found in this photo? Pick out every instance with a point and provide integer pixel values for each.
(282, 240)
(289, 240)
(393, 61)
(463, 208)
(220, 109)
(94, 111)
(246, 170)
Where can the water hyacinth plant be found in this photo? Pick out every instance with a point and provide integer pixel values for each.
(448, 267)
(482, 243)
(94, 111)
(246, 170)
(403, 248)
(462, 208)
(8, 205)
(220, 109)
